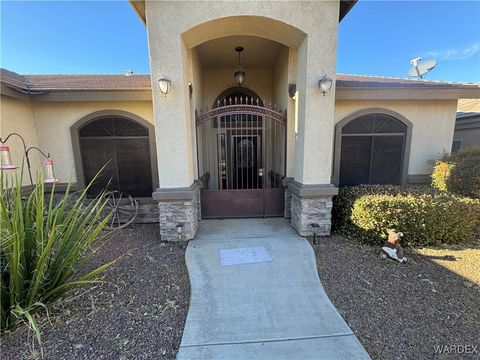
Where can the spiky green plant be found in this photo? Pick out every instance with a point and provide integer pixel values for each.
(44, 240)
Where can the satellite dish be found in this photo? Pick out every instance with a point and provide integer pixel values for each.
(421, 69)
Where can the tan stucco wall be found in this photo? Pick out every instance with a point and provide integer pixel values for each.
(196, 101)
(280, 80)
(288, 23)
(47, 125)
(432, 131)
(16, 116)
(215, 81)
(53, 121)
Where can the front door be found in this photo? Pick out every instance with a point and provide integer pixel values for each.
(247, 161)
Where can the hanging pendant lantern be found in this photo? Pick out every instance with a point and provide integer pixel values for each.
(239, 74)
(5, 160)
(49, 172)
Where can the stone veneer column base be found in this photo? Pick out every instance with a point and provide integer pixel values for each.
(311, 204)
(287, 213)
(178, 206)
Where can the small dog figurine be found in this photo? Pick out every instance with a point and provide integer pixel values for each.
(392, 249)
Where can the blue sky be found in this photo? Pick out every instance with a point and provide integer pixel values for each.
(376, 38)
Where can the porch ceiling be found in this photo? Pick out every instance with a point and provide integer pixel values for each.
(220, 53)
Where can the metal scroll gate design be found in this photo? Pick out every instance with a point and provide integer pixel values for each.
(241, 159)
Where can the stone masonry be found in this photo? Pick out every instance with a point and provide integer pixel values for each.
(287, 213)
(311, 204)
(306, 211)
(174, 212)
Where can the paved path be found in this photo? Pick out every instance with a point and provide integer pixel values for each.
(273, 309)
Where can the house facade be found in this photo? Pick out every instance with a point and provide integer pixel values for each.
(467, 125)
(233, 120)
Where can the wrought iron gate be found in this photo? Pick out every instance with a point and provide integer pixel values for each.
(241, 157)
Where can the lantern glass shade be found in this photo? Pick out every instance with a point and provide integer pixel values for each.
(5, 160)
(164, 84)
(49, 172)
(239, 77)
(325, 84)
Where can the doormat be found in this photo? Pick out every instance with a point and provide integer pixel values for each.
(247, 255)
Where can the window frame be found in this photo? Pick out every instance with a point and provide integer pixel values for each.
(372, 111)
(459, 148)
(77, 156)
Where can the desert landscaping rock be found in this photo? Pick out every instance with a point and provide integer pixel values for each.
(137, 313)
(403, 311)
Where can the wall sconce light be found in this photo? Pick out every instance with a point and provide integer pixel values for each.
(292, 89)
(325, 84)
(49, 173)
(5, 159)
(190, 89)
(164, 84)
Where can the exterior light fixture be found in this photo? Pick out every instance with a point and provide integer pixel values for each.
(5, 160)
(292, 89)
(49, 172)
(164, 84)
(325, 84)
(179, 229)
(239, 74)
(315, 229)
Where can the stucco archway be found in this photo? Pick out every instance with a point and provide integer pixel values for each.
(258, 26)
(307, 54)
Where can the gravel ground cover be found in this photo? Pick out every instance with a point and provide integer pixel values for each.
(137, 313)
(404, 311)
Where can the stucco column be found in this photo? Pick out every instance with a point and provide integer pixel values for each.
(311, 190)
(177, 195)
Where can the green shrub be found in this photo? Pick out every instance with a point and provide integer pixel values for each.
(43, 242)
(424, 220)
(343, 202)
(459, 173)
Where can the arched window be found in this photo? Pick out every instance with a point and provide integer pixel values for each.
(237, 95)
(121, 145)
(372, 150)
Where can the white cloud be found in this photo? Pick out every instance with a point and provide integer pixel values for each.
(455, 53)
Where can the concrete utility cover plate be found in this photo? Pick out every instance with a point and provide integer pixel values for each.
(247, 255)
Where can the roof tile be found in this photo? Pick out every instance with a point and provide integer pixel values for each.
(63, 82)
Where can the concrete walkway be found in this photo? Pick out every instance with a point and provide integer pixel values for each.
(272, 309)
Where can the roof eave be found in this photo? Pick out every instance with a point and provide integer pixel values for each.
(406, 93)
(344, 8)
(94, 95)
(12, 92)
(139, 8)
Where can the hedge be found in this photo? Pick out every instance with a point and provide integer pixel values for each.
(343, 202)
(424, 220)
(459, 173)
(448, 217)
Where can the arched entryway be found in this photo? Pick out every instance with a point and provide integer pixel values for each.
(372, 147)
(121, 144)
(241, 156)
